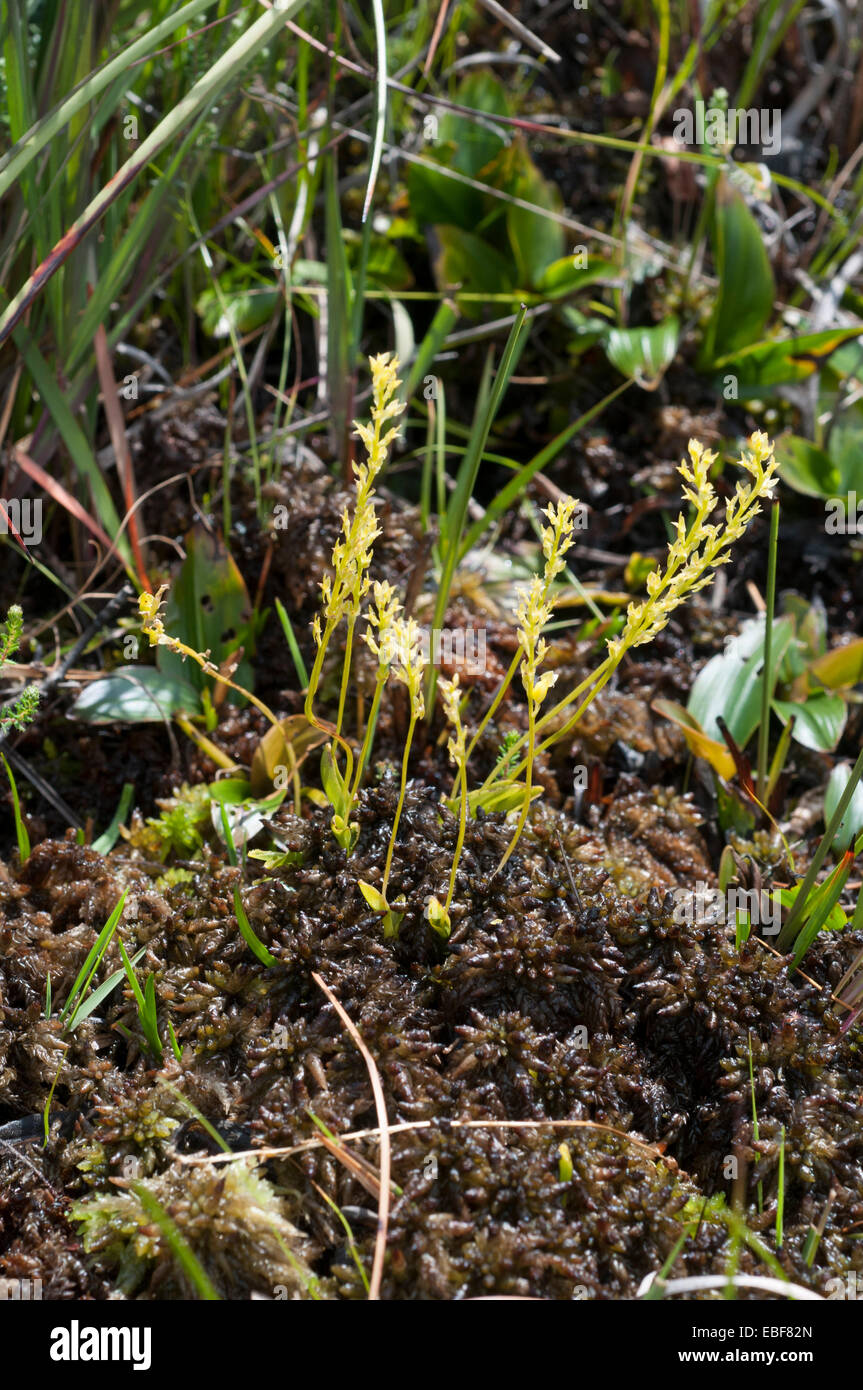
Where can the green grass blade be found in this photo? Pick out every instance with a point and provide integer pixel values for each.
(202, 96)
(92, 1001)
(441, 325)
(74, 439)
(780, 1198)
(183, 1254)
(108, 839)
(20, 828)
(510, 494)
(380, 103)
(94, 955)
(293, 645)
(255, 946)
(34, 139)
(788, 933)
(457, 509)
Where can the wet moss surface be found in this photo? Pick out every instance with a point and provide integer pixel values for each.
(541, 1007)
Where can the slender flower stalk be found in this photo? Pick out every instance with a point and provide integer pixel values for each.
(408, 666)
(380, 639)
(534, 612)
(437, 912)
(149, 606)
(153, 628)
(557, 539)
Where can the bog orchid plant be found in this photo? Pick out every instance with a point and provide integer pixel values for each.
(695, 554)
(343, 591)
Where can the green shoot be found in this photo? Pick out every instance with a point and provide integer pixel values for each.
(293, 645)
(408, 666)
(257, 947)
(146, 1004)
(20, 828)
(755, 1134)
(437, 913)
(767, 683)
(534, 612)
(106, 842)
(185, 1257)
(91, 965)
(792, 924)
(23, 709)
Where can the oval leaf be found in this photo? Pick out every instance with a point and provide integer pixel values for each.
(140, 695)
(852, 822)
(644, 353)
(819, 722)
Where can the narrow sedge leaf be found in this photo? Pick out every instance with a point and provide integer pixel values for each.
(94, 955)
(255, 946)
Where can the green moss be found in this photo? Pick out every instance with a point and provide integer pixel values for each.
(228, 1215)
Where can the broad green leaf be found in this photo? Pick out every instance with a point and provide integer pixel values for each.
(476, 142)
(763, 366)
(729, 686)
(819, 721)
(852, 822)
(375, 899)
(138, 695)
(644, 353)
(334, 784)
(746, 288)
(840, 668)
(805, 468)
(470, 263)
(810, 624)
(436, 198)
(240, 311)
(536, 241)
(846, 452)
(565, 276)
(586, 329)
(230, 791)
(462, 144)
(385, 266)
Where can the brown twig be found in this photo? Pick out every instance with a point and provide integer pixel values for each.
(384, 1130)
